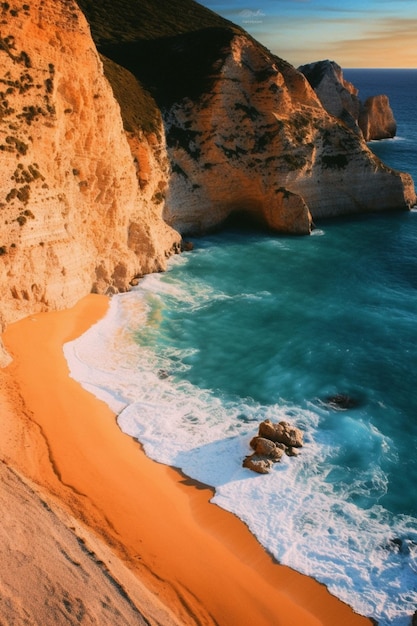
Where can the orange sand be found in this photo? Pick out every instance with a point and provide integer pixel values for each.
(201, 561)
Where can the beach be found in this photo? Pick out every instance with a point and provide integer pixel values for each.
(196, 563)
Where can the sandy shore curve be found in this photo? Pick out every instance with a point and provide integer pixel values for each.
(197, 560)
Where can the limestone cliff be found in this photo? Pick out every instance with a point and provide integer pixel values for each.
(376, 119)
(337, 95)
(373, 118)
(246, 133)
(74, 218)
(259, 142)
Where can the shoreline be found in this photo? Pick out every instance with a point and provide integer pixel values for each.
(199, 561)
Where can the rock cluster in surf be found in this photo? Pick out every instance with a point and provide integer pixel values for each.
(272, 441)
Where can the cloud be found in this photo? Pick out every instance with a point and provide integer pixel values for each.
(380, 34)
(386, 43)
(250, 13)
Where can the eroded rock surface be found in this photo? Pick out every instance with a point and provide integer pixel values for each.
(272, 441)
(93, 195)
(73, 217)
(260, 143)
(373, 118)
(376, 119)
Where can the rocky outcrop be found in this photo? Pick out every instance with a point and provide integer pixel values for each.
(260, 143)
(376, 119)
(74, 218)
(337, 95)
(282, 432)
(272, 441)
(373, 118)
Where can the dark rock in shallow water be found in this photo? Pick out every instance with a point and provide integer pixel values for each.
(290, 451)
(341, 402)
(187, 246)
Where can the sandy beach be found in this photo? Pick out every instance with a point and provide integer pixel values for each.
(187, 561)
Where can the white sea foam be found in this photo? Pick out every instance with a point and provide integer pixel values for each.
(364, 556)
(388, 139)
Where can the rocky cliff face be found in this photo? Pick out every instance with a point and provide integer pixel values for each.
(95, 192)
(376, 119)
(259, 142)
(73, 217)
(234, 149)
(373, 118)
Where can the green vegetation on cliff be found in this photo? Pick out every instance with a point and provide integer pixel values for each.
(121, 21)
(170, 46)
(138, 108)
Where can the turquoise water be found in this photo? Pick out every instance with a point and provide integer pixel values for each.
(251, 326)
(301, 320)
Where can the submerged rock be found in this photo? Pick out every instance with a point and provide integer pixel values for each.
(341, 402)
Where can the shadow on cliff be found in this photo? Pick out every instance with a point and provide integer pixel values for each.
(177, 67)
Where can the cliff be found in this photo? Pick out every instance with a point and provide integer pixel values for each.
(246, 133)
(183, 122)
(373, 118)
(259, 143)
(337, 95)
(180, 122)
(74, 218)
(376, 119)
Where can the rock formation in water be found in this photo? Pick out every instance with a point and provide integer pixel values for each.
(272, 441)
(183, 122)
(373, 118)
(376, 119)
(259, 142)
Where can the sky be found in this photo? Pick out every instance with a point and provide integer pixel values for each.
(354, 33)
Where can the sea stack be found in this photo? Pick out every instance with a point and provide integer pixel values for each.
(373, 118)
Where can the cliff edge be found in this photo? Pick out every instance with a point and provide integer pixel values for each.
(182, 122)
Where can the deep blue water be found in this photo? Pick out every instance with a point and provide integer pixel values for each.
(401, 88)
(250, 326)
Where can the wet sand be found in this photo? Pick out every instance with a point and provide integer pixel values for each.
(201, 562)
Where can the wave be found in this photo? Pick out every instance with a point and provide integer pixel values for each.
(317, 513)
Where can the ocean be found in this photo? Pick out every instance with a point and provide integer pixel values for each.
(250, 326)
